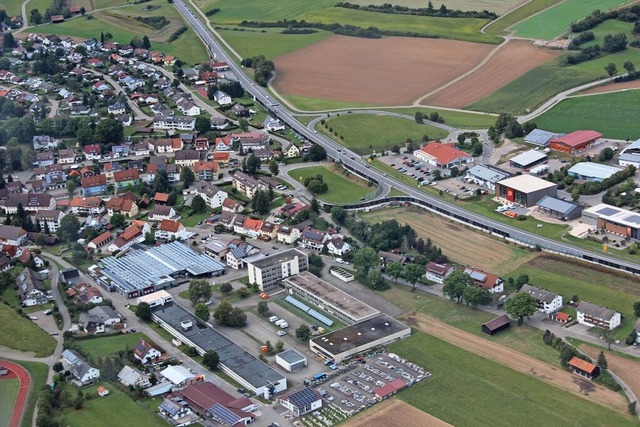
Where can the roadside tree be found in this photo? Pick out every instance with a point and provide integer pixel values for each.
(521, 305)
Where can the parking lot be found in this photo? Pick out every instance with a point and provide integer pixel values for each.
(46, 322)
(408, 165)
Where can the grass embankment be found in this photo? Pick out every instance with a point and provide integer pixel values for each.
(22, 334)
(456, 119)
(103, 346)
(304, 103)
(556, 20)
(498, 26)
(479, 385)
(344, 187)
(602, 113)
(366, 133)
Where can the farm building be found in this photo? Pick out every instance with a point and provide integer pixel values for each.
(291, 360)
(613, 220)
(302, 402)
(209, 399)
(442, 155)
(527, 159)
(540, 137)
(525, 190)
(548, 302)
(351, 340)
(486, 176)
(596, 316)
(496, 325)
(592, 171)
(389, 389)
(575, 141)
(630, 156)
(583, 368)
(490, 282)
(558, 208)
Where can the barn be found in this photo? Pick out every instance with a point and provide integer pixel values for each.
(525, 190)
(496, 325)
(575, 141)
(583, 368)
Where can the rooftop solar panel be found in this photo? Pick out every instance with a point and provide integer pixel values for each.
(480, 277)
(633, 218)
(224, 414)
(303, 397)
(320, 317)
(608, 211)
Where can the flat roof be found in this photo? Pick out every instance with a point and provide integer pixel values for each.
(354, 336)
(616, 215)
(234, 357)
(594, 170)
(154, 296)
(558, 205)
(488, 173)
(526, 183)
(291, 356)
(278, 258)
(331, 296)
(528, 158)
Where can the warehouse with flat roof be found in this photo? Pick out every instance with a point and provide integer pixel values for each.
(615, 220)
(590, 171)
(351, 340)
(527, 159)
(525, 190)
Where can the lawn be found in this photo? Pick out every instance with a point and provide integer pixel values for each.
(366, 133)
(598, 112)
(193, 220)
(116, 409)
(304, 103)
(466, 29)
(22, 334)
(456, 119)
(557, 20)
(271, 43)
(101, 4)
(103, 346)
(233, 11)
(38, 372)
(12, 7)
(498, 26)
(344, 187)
(8, 394)
(466, 389)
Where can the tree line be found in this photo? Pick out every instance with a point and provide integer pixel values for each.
(442, 11)
(597, 17)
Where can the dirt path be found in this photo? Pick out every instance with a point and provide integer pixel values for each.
(394, 412)
(519, 362)
(628, 370)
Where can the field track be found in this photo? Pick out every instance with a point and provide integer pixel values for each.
(387, 71)
(394, 412)
(23, 391)
(628, 370)
(519, 362)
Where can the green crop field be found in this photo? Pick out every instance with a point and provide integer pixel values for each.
(101, 4)
(367, 133)
(271, 43)
(233, 11)
(115, 409)
(498, 6)
(103, 346)
(467, 29)
(615, 115)
(8, 394)
(557, 20)
(456, 119)
(22, 334)
(344, 187)
(498, 26)
(468, 390)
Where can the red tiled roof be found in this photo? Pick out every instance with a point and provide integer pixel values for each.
(252, 224)
(562, 316)
(201, 166)
(390, 388)
(170, 225)
(161, 197)
(220, 156)
(577, 138)
(583, 365)
(93, 181)
(126, 175)
(131, 232)
(92, 149)
(444, 153)
(102, 238)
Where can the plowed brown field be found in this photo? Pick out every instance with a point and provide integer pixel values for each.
(395, 412)
(507, 64)
(634, 84)
(627, 369)
(387, 71)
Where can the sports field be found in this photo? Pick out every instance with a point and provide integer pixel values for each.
(22, 334)
(344, 187)
(615, 115)
(8, 395)
(511, 61)
(557, 20)
(366, 133)
(468, 390)
(527, 9)
(103, 346)
(367, 70)
(271, 43)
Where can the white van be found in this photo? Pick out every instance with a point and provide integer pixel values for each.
(280, 322)
(273, 319)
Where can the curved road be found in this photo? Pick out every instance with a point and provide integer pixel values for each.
(351, 161)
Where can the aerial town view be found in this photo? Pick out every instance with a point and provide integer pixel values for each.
(319, 213)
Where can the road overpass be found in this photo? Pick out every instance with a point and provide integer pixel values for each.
(356, 164)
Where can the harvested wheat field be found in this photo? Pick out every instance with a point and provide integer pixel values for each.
(387, 71)
(507, 64)
(394, 412)
(519, 362)
(460, 244)
(613, 87)
(628, 370)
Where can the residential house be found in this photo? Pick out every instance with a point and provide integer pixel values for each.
(87, 206)
(207, 171)
(145, 352)
(117, 108)
(5, 263)
(95, 185)
(79, 368)
(548, 302)
(240, 110)
(118, 151)
(174, 122)
(438, 272)
(177, 409)
(312, 239)
(223, 143)
(131, 377)
(337, 246)
(161, 198)
(140, 149)
(273, 125)
(133, 234)
(251, 227)
(230, 205)
(491, 282)
(162, 212)
(173, 172)
(395, 256)
(219, 123)
(246, 184)
(172, 230)
(222, 98)
(268, 231)
(110, 168)
(93, 152)
(251, 140)
(31, 289)
(201, 144)
(88, 294)
(44, 142)
(290, 151)
(122, 205)
(49, 177)
(189, 157)
(96, 320)
(288, 234)
(44, 159)
(31, 202)
(213, 196)
(66, 156)
(210, 400)
(596, 316)
(49, 220)
(221, 158)
(126, 178)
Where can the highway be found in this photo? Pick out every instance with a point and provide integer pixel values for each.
(353, 162)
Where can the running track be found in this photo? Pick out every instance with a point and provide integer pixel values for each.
(23, 391)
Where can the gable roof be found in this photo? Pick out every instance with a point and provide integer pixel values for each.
(577, 138)
(596, 311)
(443, 153)
(582, 364)
(539, 294)
(170, 225)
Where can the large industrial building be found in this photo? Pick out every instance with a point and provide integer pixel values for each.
(346, 342)
(630, 156)
(575, 141)
(612, 219)
(558, 208)
(525, 190)
(590, 171)
(269, 271)
(143, 270)
(235, 361)
(339, 304)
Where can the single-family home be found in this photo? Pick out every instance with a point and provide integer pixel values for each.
(66, 156)
(548, 302)
(161, 212)
(93, 152)
(177, 409)
(596, 316)
(189, 157)
(87, 206)
(438, 272)
(230, 205)
(311, 238)
(140, 149)
(44, 159)
(129, 376)
(207, 171)
(117, 108)
(31, 289)
(288, 234)
(268, 231)
(222, 98)
(44, 142)
(273, 125)
(145, 352)
(126, 178)
(97, 319)
(337, 246)
(12, 236)
(82, 371)
(122, 205)
(224, 143)
(94, 185)
(133, 234)
(491, 282)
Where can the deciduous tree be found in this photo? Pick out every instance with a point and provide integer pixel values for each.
(521, 305)
(143, 311)
(475, 295)
(455, 284)
(412, 273)
(202, 311)
(210, 360)
(364, 260)
(394, 270)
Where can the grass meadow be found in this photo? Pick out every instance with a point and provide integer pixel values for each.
(534, 6)
(271, 42)
(366, 133)
(344, 187)
(615, 115)
(304, 103)
(233, 11)
(466, 389)
(103, 346)
(557, 20)
(457, 119)
(38, 373)
(22, 334)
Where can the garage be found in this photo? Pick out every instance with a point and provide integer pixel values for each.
(291, 360)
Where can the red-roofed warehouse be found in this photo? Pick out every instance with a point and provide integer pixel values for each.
(575, 141)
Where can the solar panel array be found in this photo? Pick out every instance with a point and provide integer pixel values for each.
(476, 275)
(223, 414)
(310, 311)
(302, 398)
(608, 211)
(633, 218)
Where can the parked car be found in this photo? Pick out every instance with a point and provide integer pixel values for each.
(273, 319)
(33, 318)
(48, 311)
(282, 333)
